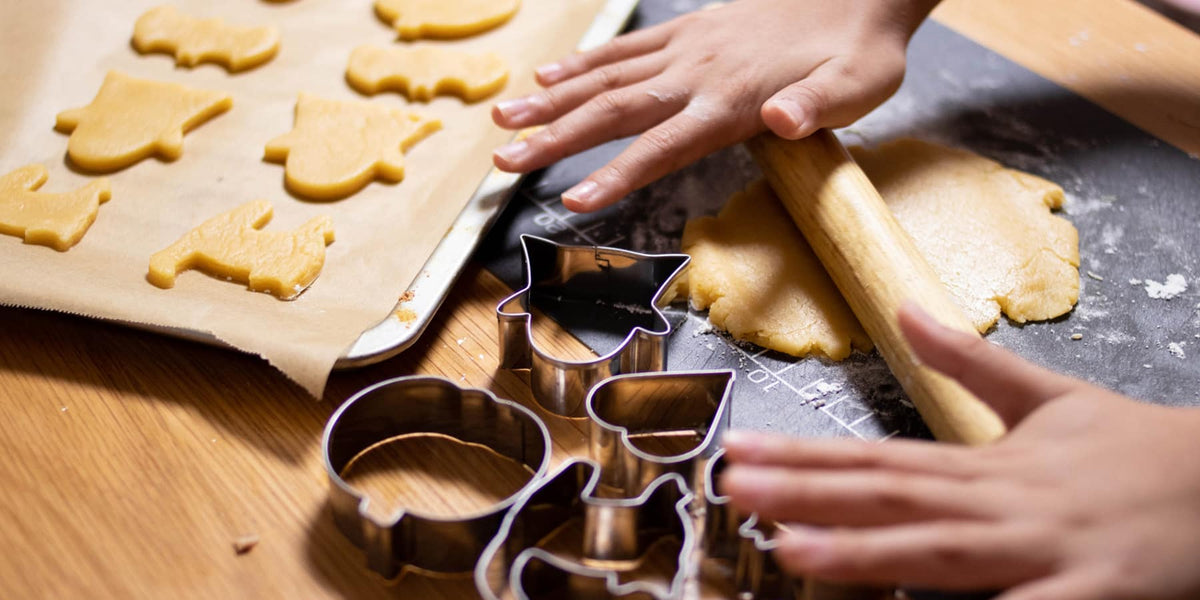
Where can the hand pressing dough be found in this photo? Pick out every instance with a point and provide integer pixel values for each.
(193, 41)
(336, 148)
(986, 230)
(444, 19)
(131, 119)
(423, 72)
(55, 220)
(230, 245)
(762, 283)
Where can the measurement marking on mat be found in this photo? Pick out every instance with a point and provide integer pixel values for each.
(552, 222)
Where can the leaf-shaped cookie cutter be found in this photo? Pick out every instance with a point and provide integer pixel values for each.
(693, 403)
(415, 405)
(611, 289)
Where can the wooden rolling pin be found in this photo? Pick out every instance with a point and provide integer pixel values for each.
(877, 267)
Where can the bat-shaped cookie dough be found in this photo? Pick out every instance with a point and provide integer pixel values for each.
(425, 71)
(193, 40)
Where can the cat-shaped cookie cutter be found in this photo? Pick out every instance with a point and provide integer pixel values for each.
(743, 540)
(616, 531)
(611, 290)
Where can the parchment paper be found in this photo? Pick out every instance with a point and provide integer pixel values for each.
(54, 55)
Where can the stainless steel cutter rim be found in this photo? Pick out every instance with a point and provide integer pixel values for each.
(527, 316)
(711, 437)
(587, 495)
(395, 516)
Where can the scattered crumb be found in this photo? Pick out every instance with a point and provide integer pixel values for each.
(406, 315)
(62, 409)
(1176, 350)
(1146, 366)
(406, 296)
(1095, 276)
(244, 544)
(1135, 282)
(1173, 286)
(1077, 336)
(481, 357)
(461, 341)
(825, 389)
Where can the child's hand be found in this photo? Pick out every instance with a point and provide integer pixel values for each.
(1091, 496)
(707, 80)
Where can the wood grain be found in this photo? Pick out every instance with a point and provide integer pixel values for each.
(133, 462)
(1119, 54)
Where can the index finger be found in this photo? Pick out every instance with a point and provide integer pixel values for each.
(637, 43)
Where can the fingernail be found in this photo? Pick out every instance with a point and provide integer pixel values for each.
(737, 438)
(514, 152)
(549, 73)
(582, 193)
(747, 481)
(792, 112)
(809, 546)
(515, 108)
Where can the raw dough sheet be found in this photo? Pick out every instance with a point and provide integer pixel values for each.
(55, 55)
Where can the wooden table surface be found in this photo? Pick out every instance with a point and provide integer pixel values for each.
(131, 462)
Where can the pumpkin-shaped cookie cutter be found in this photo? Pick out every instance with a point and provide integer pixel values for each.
(419, 405)
(615, 291)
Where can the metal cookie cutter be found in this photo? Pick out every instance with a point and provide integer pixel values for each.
(742, 540)
(409, 405)
(626, 407)
(617, 531)
(587, 288)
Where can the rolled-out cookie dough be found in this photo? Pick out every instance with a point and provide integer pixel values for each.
(444, 19)
(762, 283)
(986, 230)
(421, 73)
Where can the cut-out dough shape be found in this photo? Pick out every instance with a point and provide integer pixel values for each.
(131, 119)
(282, 263)
(760, 281)
(336, 148)
(444, 19)
(986, 230)
(424, 72)
(55, 220)
(193, 40)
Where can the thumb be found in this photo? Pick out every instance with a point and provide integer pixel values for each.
(832, 95)
(1012, 386)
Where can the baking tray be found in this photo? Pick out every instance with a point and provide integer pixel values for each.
(432, 284)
